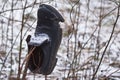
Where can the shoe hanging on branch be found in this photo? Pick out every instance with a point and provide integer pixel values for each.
(46, 40)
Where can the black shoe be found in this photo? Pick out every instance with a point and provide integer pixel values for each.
(44, 45)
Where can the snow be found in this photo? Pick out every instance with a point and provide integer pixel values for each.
(39, 39)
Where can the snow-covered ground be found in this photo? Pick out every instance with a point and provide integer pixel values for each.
(86, 32)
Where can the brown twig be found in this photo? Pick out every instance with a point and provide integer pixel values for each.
(26, 65)
(21, 39)
(45, 77)
(107, 43)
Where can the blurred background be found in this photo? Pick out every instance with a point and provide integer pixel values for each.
(90, 48)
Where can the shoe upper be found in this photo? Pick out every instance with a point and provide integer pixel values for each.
(46, 40)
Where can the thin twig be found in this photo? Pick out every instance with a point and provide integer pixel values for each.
(107, 43)
(113, 72)
(26, 65)
(21, 39)
(45, 77)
